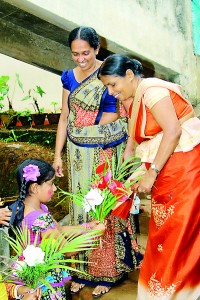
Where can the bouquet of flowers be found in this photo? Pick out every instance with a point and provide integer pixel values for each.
(108, 187)
(32, 263)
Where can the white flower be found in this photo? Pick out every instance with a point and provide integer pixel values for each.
(93, 198)
(33, 255)
(86, 206)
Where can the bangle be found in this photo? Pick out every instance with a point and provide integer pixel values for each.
(15, 292)
(11, 291)
(57, 158)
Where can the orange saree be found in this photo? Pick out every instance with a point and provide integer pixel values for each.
(171, 264)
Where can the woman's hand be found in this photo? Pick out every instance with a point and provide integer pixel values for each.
(144, 185)
(58, 166)
(129, 150)
(5, 215)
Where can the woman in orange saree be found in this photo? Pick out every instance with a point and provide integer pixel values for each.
(163, 124)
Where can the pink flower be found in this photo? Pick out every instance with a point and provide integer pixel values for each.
(21, 257)
(108, 176)
(31, 172)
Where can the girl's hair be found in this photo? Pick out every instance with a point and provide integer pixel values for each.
(46, 172)
(117, 65)
(87, 34)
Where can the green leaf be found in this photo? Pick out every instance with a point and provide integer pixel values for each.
(26, 98)
(3, 81)
(19, 82)
(54, 247)
(39, 91)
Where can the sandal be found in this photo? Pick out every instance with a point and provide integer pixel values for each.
(100, 290)
(76, 287)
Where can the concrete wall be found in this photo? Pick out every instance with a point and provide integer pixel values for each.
(31, 76)
(159, 32)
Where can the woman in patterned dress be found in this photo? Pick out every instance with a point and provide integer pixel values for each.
(163, 124)
(93, 125)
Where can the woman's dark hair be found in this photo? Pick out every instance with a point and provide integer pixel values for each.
(87, 34)
(117, 65)
(46, 173)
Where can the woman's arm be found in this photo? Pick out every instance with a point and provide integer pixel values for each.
(165, 115)
(108, 117)
(61, 134)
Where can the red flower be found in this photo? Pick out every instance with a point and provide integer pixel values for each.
(102, 168)
(102, 183)
(118, 189)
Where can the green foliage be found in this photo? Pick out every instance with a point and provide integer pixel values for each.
(24, 113)
(40, 137)
(121, 170)
(6, 91)
(54, 247)
(13, 137)
(30, 275)
(54, 103)
(33, 94)
(111, 187)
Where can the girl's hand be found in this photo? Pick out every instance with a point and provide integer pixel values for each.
(93, 223)
(101, 227)
(30, 294)
(96, 225)
(33, 296)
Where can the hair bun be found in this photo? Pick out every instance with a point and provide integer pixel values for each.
(138, 66)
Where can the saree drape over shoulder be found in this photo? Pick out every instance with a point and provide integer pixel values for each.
(171, 264)
(87, 144)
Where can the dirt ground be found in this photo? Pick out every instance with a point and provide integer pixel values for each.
(11, 155)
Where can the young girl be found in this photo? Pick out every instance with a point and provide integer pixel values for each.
(35, 179)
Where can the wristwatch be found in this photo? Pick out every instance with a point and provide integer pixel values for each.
(153, 167)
